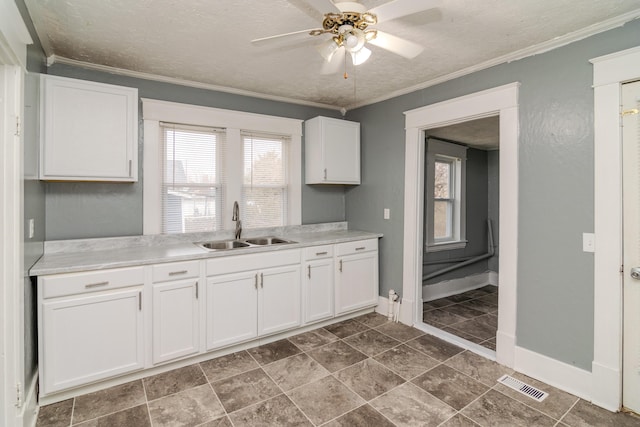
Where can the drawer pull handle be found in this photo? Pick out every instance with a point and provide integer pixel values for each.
(362, 248)
(140, 301)
(340, 268)
(321, 253)
(196, 290)
(261, 280)
(309, 271)
(256, 283)
(175, 273)
(95, 285)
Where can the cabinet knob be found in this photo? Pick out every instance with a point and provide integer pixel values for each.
(325, 174)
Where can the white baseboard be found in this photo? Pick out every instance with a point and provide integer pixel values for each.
(606, 387)
(29, 410)
(456, 286)
(554, 372)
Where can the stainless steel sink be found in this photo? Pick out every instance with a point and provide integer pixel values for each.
(224, 244)
(221, 245)
(262, 241)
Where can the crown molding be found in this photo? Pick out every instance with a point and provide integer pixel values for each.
(54, 59)
(547, 46)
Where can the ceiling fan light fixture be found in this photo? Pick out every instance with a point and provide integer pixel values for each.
(360, 56)
(327, 49)
(355, 40)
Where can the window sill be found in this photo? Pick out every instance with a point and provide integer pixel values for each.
(446, 246)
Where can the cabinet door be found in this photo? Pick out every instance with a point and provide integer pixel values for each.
(341, 151)
(232, 307)
(88, 338)
(175, 320)
(356, 282)
(89, 131)
(318, 290)
(279, 299)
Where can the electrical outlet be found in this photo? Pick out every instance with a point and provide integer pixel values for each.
(387, 213)
(32, 228)
(588, 242)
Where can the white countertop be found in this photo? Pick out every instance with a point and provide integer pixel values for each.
(87, 254)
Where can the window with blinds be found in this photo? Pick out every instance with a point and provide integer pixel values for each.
(192, 178)
(265, 183)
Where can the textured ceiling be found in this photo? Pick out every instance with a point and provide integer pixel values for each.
(208, 41)
(483, 134)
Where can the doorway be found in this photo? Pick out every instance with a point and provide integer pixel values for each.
(461, 222)
(631, 248)
(502, 102)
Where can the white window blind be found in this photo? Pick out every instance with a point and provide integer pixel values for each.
(193, 180)
(265, 183)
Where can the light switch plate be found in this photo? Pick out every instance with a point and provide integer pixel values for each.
(32, 228)
(386, 213)
(588, 242)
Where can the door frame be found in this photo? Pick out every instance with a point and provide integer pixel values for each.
(502, 101)
(609, 73)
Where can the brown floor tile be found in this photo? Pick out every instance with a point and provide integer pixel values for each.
(295, 371)
(55, 415)
(369, 379)
(490, 344)
(220, 422)
(450, 386)
(271, 352)
(479, 368)
(437, 303)
(462, 334)
(490, 298)
(371, 342)
(406, 362)
(483, 327)
(107, 401)
(313, 339)
(228, 366)
(245, 389)
(481, 305)
(399, 331)
(443, 316)
(464, 311)
(174, 381)
(372, 320)
(496, 409)
(325, 399)
(584, 414)
(188, 407)
(409, 405)
(138, 416)
(364, 416)
(434, 347)
(555, 405)
(336, 356)
(459, 421)
(277, 411)
(346, 328)
(458, 298)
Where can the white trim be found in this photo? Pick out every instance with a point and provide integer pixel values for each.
(14, 36)
(155, 111)
(502, 100)
(30, 407)
(55, 59)
(456, 286)
(553, 372)
(608, 73)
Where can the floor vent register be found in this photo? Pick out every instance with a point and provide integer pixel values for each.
(523, 388)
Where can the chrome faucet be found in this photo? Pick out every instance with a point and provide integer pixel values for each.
(236, 217)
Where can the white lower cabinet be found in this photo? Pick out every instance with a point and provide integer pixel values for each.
(318, 283)
(356, 275)
(243, 305)
(86, 338)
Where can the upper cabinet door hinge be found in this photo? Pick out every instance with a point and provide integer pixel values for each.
(18, 395)
(17, 126)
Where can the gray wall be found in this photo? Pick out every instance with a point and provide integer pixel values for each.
(493, 177)
(84, 210)
(477, 196)
(555, 278)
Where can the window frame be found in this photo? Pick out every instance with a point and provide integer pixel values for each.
(235, 122)
(456, 155)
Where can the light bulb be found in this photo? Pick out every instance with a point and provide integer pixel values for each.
(360, 56)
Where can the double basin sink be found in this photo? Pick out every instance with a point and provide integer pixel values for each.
(221, 245)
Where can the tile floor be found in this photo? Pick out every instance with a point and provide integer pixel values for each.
(472, 315)
(359, 372)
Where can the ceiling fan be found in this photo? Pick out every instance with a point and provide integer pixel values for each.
(349, 24)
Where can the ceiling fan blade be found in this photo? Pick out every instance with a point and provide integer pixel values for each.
(336, 64)
(397, 45)
(399, 8)
(279, 36)
(323, 6)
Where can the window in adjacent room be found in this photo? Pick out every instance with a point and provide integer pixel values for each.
(445, 196)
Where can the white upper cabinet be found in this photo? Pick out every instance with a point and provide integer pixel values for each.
(89, 131)
(332, 151)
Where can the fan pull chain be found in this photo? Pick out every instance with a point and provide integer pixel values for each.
(346, 76)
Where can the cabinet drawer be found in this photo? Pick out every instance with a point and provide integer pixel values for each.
(243, 263)
(356, 247)
(318, 252)
(76, 283)
(176, 271)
